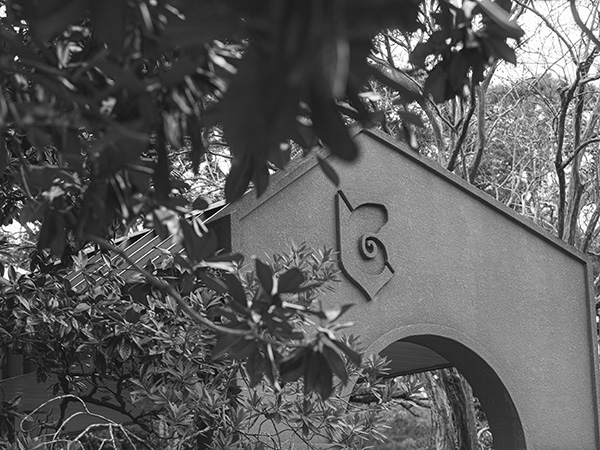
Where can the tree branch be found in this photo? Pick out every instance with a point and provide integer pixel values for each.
(582, 25)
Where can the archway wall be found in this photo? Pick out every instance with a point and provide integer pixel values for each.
(445, 255)
(473, 361)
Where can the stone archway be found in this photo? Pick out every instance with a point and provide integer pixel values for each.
(424, 252)
(487, 384)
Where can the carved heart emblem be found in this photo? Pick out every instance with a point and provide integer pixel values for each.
(361, 237)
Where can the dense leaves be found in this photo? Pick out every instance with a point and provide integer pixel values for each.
(133, 342)
(95, 98)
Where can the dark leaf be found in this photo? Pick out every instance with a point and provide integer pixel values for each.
(162, 181)
(224, 343)
(108, 23)
(412, 118)
(409, 137)
(332, 314)
(53, 234)
(435, 84)
(187, 283)
(16, 46)
(176, 74)
(292, 367)
(502, 18)
(243, 348)
(139, 293)
(290, 281)
(501, 50)
(194, 129)
(421, 51)
(336, 363)
(235, 258)
(255, 367)
(235, 289)
(311, 371)
(200, 23)
(132, 315)
(32, 211)
(260, 178)
(324, 384)
(52, 16)
(197, 246)
(71, 149)
(351, 354)
(161, 230)
(329, 125)
(213, 283)
(3, 155)
(304, 136)
(238, 179)
(200, 203)
(265, 276)
(328, 171)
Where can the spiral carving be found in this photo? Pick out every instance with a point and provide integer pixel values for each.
(369, 246)
(367, 266)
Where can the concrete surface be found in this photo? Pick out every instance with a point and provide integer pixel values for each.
(502, 300)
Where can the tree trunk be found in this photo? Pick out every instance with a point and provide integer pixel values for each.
(453, 418)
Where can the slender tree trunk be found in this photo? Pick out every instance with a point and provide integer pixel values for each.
(442, 428)
(460, 400)
(454, 425)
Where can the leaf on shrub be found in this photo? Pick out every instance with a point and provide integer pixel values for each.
(52, 16)
(108, 23)
(81, 308)
(501, 50)
(324, 386)
(409, 117)
(329, 125)
(132, 315)
(502, 18)
(224, 343)
(200, 203)
(265, 276)
(235, 290)
(336, 363)
(332, 314)
(329, 171)
(187, 283)
(292, 366)
(124, 350)
(197, 246)
(255, 367)
(211, 282)
(290, 281)
(242, 348)
(3, 155)
(435, 84)
(238, 180)
(317, 375)
(351, 354)
(53, 234)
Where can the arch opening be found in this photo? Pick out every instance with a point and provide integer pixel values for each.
(436, 352)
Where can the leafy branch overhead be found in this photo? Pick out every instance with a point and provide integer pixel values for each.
(96, 95)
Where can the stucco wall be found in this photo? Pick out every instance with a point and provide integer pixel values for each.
(511, 293)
